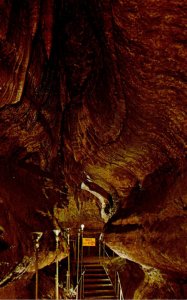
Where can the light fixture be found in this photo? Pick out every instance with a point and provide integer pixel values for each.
(82, 227)
(36, 237)
(56, 232)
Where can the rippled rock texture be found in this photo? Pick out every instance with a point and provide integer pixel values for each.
(145, 283)
(93, 127)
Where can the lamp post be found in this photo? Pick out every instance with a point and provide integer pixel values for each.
(82, 230)
(78, 255)
(57, 232)
(68, 271)
(82, 283)
(36, 237)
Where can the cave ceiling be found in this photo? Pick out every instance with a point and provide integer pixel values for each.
(93, 125)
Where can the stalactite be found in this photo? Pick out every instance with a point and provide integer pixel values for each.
(47, 21)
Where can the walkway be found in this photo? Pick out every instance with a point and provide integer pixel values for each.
(97, 284)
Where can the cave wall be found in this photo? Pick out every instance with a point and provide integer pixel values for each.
(93, 114)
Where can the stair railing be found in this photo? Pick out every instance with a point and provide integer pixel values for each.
(119, 291)
(79, 289)
(117, 282)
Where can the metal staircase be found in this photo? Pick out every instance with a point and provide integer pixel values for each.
(93, 281)
(97, 284)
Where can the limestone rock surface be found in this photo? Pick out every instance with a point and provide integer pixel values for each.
(93, 129)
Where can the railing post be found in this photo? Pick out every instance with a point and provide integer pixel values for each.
(119, 289)
(99, 250)
(117, 285)
(120, 297)
(83, 286)
(103, 250)
(77, 292)
(115, 282)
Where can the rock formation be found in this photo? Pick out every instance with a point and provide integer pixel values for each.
(93, 127)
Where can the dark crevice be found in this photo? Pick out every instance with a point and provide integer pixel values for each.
(122, 228)
(4, 245)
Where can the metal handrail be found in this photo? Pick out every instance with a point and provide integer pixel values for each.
(80, 292)
(107, 254)
(104, 250)
(117, 284)
(119, 291)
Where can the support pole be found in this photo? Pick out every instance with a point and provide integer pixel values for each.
(82, 230)
(36, 271)
(68, 281)
(36, 237)
(82, 284)
(78, 255)
(57, 232)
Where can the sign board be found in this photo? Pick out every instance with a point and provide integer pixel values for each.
(90, 242)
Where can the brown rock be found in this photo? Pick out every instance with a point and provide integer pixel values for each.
(93, 117)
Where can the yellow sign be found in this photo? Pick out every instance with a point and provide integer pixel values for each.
(88, 242)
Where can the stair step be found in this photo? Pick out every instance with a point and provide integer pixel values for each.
(98, 286)
(101, 297)
(101, 270)
(99, 293)
(97, 280)
(92, 265)
(91, 262)
(95, 271)
(95, 275)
